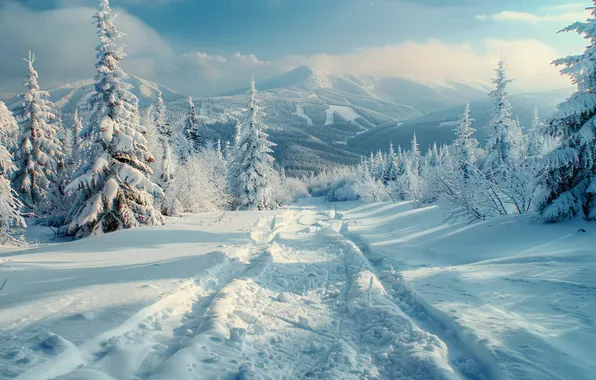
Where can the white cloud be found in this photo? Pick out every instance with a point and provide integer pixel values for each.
(64, 41)
(529, 62)
(563, 13)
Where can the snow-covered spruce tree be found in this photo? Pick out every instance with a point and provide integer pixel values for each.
(76, 128)
(9, 129)
(64, 171)
(537, 140)
(465, 146)
(251, 168)
(503, 143)
(379, 166)
(460, 186)
(518, 182)
(367, 187)
(165, 141)
(392, 173)
(567, 184)
(410, 178)
(111, 189)
(11, 221)
(39, 150)
(195, 141)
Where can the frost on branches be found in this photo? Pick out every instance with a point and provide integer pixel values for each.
(39, 151)
(194, 140)
(503, 144)
(112, 187)
(9, 129)
(567, 183)
(11, 222)
(251, 169)
(460, 186)
(164, 133)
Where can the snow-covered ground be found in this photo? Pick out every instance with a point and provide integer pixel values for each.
(346, 113)
(300, 113)
(317, 290)
(519, 295)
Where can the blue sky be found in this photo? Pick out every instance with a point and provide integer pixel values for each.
(201, 38)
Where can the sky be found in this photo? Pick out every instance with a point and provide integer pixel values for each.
(208, 47)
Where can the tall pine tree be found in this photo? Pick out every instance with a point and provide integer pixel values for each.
(9, 129)
(465, 146)
(195, 141)
(502, 147)
(165, 141)
(252, 166)
(568, 179)
(39, 153)
(112, 188)
(11, 221)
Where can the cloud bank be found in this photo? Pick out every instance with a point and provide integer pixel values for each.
(64, 42)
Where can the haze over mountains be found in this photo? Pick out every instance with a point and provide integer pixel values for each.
(320, 120)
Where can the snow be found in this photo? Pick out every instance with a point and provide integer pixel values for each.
(516, 293)
(347, 113)
(300, 113)
(314, 289)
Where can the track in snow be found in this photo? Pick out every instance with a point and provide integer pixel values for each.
(308, 305)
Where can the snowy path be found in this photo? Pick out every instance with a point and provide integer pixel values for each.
(517, 294)
(298, 301)
(380, 291)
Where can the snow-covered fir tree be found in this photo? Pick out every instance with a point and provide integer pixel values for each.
(112, 189)
(392, 172)
(9, 129)
(39, 152)
(251, 168)
(537, 140)
(460, 186)
(11, 221)
(380, 166)
(503, 143)
(76, 128)
(415, 156)
(164, 132)
(465, 146)
(568, 179)
(195, 141)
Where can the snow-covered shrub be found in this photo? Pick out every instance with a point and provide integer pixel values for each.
(320, 185)
(342, 189)
(200, 185)
(288, 190)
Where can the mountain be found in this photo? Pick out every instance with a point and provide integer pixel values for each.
(320, 120)
(376, 93)
(438, 126)
(70, 95)
(312, 115)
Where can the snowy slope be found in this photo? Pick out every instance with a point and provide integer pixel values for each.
(438, 126)
(422, 96)
(283, 296)
(346, 291)
(72, 95)
(518, 294)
